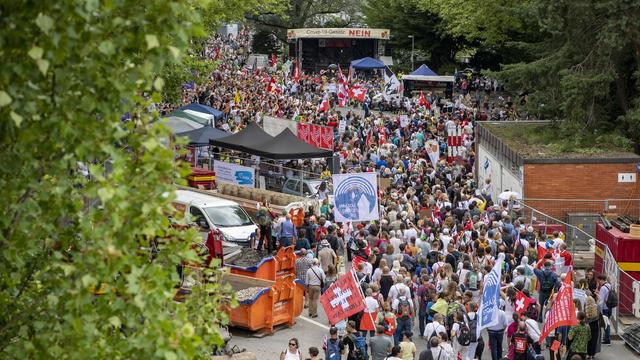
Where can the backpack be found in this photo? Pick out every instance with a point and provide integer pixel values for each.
(520, 343)
(389, 326)
(612, 298)
(473, 281)
(546, 283)
(263, 218)
(473, 325)
(464, 335)
(404, 310)
(359, 347)
(519, 251)
(452, 310)
(333, 349)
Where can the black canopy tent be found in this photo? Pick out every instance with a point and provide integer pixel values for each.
(200, 137)
(244, 139)
(287, 146)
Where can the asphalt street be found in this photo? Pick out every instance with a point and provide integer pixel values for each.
(309, 332)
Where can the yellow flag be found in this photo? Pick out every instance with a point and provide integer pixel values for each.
(237, 97)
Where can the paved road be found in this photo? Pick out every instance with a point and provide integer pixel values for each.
(310, 332)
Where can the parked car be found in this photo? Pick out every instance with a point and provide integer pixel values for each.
(303, 187)
(210, 212)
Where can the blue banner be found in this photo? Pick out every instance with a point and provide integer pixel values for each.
(488, 311)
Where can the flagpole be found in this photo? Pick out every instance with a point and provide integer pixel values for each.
(361, 293)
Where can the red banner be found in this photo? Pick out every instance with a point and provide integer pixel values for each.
(316, 135)
(562, 312)
(342, 299)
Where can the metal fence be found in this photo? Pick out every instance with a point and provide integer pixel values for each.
(581, 242)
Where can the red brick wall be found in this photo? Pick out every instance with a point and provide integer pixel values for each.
(580, 182)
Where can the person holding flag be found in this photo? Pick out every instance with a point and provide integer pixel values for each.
(490, 315)
(548, 281)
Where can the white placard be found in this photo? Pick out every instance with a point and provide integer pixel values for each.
(404, 121)
(342, 126)
(234, 174)
(355, 197)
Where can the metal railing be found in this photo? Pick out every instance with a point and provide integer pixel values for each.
(627, 287)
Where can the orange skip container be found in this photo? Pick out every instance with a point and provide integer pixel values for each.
(278, 303)
(270, 268)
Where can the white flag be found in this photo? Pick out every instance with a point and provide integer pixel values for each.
(489, 305)
(391, 83)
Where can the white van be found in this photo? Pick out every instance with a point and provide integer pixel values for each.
(208, 212)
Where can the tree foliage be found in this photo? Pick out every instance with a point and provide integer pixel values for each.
(585, 69)
(70, 71)
(294, 14)
(408, 17)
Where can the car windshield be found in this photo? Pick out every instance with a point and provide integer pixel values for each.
(228, 216)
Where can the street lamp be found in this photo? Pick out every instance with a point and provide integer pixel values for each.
(412, 47)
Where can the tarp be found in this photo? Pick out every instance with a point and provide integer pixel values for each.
(367, 63)
(217, 114)
(287, 146)
(244, 139)
(424, 71)
(190, 116)
(201, 136)
(179, 125)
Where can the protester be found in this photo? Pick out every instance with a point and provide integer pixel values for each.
(333, 348)
(315, 281)
(292, 352)
(407, 346)
(380, 345)
(579, 336)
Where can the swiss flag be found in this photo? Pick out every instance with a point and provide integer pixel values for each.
(343, 94)
(296, 73)
(342, 299)
(350, 75)
(273, 60)
(340, 76)
(522, 302)
(562, 312)
(273, 86)
(357, 260)
(357, 93)
(217, 57)
(422, 101)
(324, 105)
(542, 250)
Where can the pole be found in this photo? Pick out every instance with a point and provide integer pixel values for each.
(412, 47)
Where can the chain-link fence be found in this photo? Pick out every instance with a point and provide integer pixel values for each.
(583, 243)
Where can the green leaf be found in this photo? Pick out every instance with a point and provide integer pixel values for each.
(36, 53)
(52, 299)
(170, 355)
(188, 330)
(106, 47)
(43, 65)
(88, 280)
(158, 84)
(174, 51)
(115, 321)
(150, 144)
(106, 193)
(5, 99)
(44, 22)
(17, 119)
(152, 41)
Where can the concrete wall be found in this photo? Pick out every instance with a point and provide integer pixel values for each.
(502, 178)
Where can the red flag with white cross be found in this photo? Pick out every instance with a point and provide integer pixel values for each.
(342, 299)
(522, 303)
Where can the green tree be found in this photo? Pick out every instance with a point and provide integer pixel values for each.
(294, 14)
(70, 71)
(585, 68)
(408, 17)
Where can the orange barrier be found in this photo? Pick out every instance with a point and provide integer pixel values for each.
(279, 302)
(270, 268)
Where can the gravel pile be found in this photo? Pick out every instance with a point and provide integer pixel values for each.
(248, 293)
(249, 257)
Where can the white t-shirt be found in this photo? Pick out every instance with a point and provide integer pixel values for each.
(431, 327)
(532, 329)
(370, 304)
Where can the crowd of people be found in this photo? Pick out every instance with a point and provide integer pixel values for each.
(440, 232)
